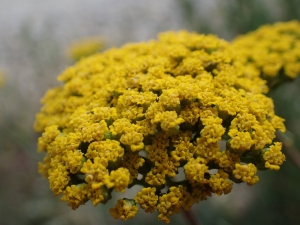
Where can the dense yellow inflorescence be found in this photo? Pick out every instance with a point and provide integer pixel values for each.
(144, 112)
(271, 52)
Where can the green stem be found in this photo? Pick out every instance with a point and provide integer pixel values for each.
(190, 217)
(138, 182)
(174, 183)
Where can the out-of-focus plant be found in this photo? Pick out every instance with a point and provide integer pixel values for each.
(289, 9)
(138, 114)
(85, 47)
(243, 16)
(1, 78)
(192, 18)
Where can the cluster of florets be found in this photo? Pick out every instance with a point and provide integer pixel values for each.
(272, 51)
(143, 113)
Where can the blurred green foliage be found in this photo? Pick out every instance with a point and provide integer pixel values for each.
(26, 197)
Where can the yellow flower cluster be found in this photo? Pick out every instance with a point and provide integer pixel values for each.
(147, 199)
(125, 209)
(85, 47)
(246, 173)
(171, 202)
(273, 156)
(271, 52)
(143, 113)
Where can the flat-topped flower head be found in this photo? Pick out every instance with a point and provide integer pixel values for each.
(271, 52)
(140, 114)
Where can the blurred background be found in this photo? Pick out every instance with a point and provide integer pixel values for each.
(34, 38)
